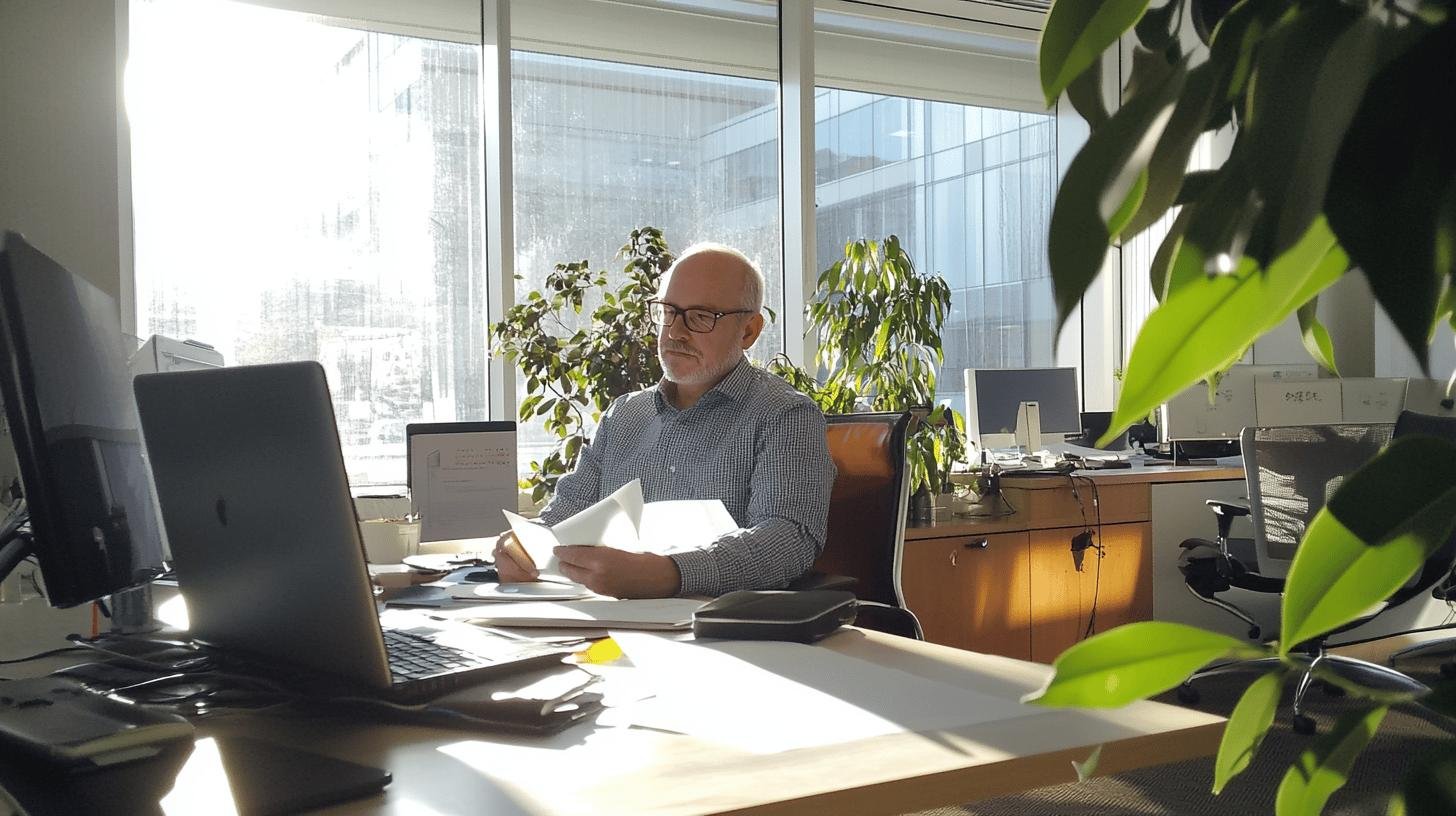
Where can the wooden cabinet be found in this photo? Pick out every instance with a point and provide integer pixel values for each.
(971, 592)
(1025, 594)
(1096, 590)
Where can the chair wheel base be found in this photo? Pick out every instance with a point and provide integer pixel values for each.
(1188, 695)
(1304, 725)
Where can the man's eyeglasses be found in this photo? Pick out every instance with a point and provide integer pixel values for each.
(701, 321)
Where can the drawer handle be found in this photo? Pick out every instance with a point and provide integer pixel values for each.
(970, 545)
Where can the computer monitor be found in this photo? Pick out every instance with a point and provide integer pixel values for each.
(89, 504)
(1192, 416)
(993, 396)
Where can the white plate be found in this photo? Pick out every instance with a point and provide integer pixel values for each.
(523, 591)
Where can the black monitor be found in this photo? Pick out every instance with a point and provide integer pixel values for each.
(89, 515)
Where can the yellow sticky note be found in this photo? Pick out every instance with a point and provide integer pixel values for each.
(603, 651)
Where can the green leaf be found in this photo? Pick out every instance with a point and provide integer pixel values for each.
(1246, 728)
(1087, 767)
(1371, 537)
(1430, 787)
(1132, 662)
(1309, 75)
(1322, 768)
(1156, 28)
(1076, 33)
(1316, 337)
(1130, 205)
(1158, 277)
(1394, 164)
(1097, 185)
(1169, 162)
(1206, 325)
(1085, 94)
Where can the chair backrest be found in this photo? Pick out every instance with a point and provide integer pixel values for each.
(1291, 472)
(868, 505)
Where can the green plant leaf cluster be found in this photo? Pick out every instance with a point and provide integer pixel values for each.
(878, 322)
(1341, 160)
(583, 340)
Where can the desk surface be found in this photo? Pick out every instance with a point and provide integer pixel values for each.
(636, 771)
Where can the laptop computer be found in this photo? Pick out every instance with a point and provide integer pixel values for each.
(255, 499)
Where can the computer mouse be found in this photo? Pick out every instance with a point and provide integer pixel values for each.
(481, 576)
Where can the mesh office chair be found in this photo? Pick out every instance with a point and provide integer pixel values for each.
(1411, 423)
(1290, 472)
(867, 509)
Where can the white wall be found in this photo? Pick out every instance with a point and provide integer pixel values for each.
(59, 149)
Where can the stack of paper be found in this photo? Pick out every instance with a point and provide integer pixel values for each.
(624, 522)
(660, 614)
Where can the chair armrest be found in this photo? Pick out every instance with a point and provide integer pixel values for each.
(1232, 509)
(823, 580)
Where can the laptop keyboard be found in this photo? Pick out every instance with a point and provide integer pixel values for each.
(413, 657)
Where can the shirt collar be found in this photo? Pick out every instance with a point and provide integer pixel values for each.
(732, 387)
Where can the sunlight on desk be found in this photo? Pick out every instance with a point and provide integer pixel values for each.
(202, 784)
(173, 612)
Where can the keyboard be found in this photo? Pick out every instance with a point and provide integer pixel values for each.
(415, 657)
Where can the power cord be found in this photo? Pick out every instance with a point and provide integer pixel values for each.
(1085, 540)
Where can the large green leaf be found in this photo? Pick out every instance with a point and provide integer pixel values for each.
(1085, 94)
(1219, 225)
(1308, 77)
(1098, 183)
(1316, 337)
(1246, 728)
(1169, 162)
(1390, 175)
(1158, 277)
(1371, 537)
(1323, 767)
(1133, 662)
(1075, 35)
(1206, 325)
(1157, 30)
(1430, 787)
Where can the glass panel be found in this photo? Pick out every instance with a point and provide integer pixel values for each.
(306, 191)
(974, 209)
(604, 147)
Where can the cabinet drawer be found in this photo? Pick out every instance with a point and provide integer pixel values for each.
(1050, 502)
(972, 592)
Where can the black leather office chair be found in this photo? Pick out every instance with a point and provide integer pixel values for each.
(867, 509)
(1291, 472)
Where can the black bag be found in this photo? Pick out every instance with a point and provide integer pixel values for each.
(803, 616)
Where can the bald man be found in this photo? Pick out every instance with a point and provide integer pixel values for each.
(715, 427)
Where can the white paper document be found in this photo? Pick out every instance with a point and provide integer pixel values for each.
(623, 521)
(769, 696)
(651, 614)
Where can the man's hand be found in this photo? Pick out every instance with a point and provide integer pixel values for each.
(512, 561)
(619, 573)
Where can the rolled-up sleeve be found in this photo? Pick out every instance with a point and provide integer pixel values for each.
(788, 510)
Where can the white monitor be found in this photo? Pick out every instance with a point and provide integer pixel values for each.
(161, 354)
(461, 476)
(1371, 399)
(994, 395)
(1191, 415)
(1428, 397)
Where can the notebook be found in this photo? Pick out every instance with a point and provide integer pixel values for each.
(251, 481)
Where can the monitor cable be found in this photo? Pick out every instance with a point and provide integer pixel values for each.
(1086, 540)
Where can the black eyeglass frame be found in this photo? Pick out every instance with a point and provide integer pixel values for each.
(687, 315)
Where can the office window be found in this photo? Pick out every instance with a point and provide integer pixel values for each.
(969, 190)
(311, 191)
(602, 147)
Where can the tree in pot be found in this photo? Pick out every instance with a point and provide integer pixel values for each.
(575, 367)
(1342, 159)
(878, 323)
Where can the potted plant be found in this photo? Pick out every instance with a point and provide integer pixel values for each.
(1342, 159)
(575, 367)
(878, 323)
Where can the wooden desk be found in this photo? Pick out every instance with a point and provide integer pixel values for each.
(1011, 585)
(617, 770)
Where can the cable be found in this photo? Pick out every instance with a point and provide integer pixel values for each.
(1101, 551)
(13, 660)
(1439, 628)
